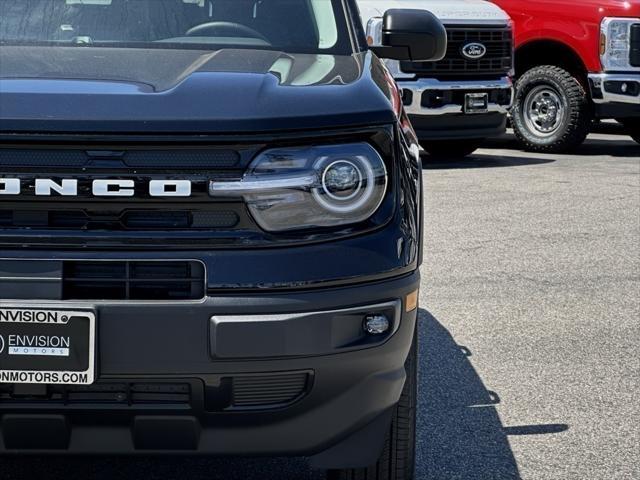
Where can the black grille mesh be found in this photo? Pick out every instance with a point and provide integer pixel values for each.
(262, 391)
(634, 57)
(84, 219)
(105, 394)
(498, 59)
(131, 280)
(166, 158)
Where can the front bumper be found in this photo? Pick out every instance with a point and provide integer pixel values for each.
(437, 107)
(616, 95)
(228, 363)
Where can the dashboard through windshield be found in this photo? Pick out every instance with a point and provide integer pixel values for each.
(297, 26)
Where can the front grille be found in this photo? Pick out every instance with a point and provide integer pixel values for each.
(131, 280)
(634, 58)
(139, 394)
(497, 61)
(268, 391)
(147, 192)
(128, 220)
(139, 216)
(189, 159)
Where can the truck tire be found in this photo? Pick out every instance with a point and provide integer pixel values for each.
(552, 112)
(451, 149)
(633, 128)
(397, 461)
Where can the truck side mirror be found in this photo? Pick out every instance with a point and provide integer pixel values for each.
(413, 35)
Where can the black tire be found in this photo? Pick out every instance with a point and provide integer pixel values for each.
(397, 461)
(451, 149)
(552, 112)
(633, 127)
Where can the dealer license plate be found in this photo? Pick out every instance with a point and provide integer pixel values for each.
(47, 346)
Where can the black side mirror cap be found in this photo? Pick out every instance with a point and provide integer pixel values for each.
(412, 35)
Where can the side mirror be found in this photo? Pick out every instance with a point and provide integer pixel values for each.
(412, 35)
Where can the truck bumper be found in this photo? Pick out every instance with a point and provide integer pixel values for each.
(437, 108)
(616, 95)
(287, 373)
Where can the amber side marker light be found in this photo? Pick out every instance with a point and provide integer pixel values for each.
(603, 44)
(411, 302)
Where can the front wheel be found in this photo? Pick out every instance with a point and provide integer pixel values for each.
(451, 149)
(397, 461)
(552, 112)
(633, 128)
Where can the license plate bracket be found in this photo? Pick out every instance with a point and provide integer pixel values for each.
(476, 103)
(47, 346)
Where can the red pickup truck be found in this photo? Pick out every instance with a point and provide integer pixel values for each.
(576, 61)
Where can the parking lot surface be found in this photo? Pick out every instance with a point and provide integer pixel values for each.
(529, 327)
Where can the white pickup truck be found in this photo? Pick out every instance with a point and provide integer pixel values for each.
(458, 102)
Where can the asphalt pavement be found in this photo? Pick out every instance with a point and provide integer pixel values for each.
(529, 328)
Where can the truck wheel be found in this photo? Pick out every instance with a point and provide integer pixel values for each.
(451, 150)
(552, 112)
(633, 128)
(397, 461)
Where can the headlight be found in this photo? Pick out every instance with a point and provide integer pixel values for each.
(615, 43)
(321, 186)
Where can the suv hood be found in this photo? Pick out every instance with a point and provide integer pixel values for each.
(76, 89)
(458, 12)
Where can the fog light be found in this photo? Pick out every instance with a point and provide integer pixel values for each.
(376, 324)
(624, 88)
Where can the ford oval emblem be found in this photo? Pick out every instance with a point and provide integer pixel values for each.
(474, 51)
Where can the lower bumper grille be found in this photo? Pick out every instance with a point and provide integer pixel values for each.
(104, 395)
(242, 392)
(102, 280)
(268, 391)
(133, 281)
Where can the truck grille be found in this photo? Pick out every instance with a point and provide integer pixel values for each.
(634, 58)
(497, 61)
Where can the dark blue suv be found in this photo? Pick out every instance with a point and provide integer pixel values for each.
(210, 231)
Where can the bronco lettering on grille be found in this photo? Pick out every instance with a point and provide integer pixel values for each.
(45, 187)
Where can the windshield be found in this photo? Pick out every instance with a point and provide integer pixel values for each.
(297, 26)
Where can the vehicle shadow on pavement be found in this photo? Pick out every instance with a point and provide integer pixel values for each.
(481, 161)
(460, 435)
(617, 146)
